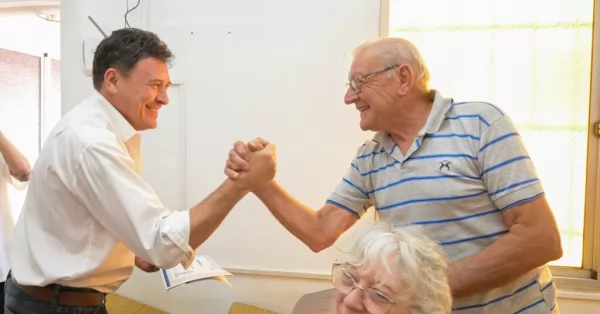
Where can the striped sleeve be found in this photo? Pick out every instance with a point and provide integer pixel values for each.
(351, 194)
(506, 169)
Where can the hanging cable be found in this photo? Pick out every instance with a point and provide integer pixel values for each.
(130, 10)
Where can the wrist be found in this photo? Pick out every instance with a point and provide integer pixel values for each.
(264, 189)
(455, 280)
(237, 187)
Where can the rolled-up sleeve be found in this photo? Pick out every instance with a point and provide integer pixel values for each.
(506, 169)
(351, 194)
(126, 206)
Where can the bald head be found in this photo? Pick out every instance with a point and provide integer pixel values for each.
(393, 51)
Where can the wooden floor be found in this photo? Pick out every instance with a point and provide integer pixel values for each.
(241, 308)
(116, 304)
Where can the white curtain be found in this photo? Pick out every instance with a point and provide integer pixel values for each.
(531, 58)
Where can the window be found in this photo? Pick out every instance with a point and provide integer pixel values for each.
(533, 59)
(30, 80)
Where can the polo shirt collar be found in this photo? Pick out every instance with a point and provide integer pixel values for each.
(438, 113)
(436, 117)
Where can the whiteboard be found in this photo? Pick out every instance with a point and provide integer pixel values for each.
(275, 70)
(164, 152)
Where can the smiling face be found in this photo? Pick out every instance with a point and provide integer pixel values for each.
(377, 89)
(368, 290)
(139, 94)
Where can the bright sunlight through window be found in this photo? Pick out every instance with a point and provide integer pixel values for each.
(531, 58)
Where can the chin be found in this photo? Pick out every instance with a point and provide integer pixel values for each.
(366, 127)
(150, 125)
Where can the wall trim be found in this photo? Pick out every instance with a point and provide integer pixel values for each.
(384, 18)
(563, 293)
(278, 273)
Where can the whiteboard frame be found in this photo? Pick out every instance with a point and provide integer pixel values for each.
(384, 23)
(384, 18)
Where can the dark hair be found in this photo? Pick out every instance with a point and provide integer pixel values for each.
(123, 49)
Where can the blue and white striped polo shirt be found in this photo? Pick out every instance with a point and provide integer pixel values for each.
(467, 166)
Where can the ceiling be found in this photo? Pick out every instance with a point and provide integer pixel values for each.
(48, 10)
(26, 4)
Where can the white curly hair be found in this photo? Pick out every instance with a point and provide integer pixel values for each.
(408, 251)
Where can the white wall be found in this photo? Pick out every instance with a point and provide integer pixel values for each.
(271, 68)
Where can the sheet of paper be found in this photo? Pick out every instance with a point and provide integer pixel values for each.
(202, 268)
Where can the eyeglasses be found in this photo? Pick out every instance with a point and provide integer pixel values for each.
(375, 301)
(357, 82)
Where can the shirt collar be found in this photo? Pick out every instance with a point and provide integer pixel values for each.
(438, 113)
(123, 128)
(436, 117)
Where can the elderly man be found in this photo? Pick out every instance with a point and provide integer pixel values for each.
(397, 270)
(14, 170)
(89, 213)
(459, 169)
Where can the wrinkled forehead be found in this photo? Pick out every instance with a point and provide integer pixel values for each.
(376, 273)
(365, 60)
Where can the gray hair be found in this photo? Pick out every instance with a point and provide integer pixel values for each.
(395, 51)
(409, 252)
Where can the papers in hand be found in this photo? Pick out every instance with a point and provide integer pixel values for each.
(202, 268)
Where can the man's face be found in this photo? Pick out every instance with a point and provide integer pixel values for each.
(140, 95)
(376, 93)
(379, 287)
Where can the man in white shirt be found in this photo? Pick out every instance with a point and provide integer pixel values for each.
(14, 170)
(89, 213)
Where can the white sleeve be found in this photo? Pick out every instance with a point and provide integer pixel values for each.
(108, 185)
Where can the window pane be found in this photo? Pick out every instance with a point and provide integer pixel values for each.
(535, 64)
(55, 90)
(53, 109)
(20, 107)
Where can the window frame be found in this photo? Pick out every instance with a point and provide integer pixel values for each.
(570, 278)
(49, 112)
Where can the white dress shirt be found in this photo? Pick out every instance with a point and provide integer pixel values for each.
(7, 223)
(88, 211)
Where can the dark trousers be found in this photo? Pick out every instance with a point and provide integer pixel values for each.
(18, 301)
(2, 297)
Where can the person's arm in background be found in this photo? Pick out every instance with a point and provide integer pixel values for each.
(123, 203)
(18, 165)
(318, 229)
(533, 238)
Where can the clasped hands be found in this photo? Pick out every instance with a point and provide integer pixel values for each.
(252, 164)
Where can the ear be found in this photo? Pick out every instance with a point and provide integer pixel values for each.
(111, 80)
(406, 78)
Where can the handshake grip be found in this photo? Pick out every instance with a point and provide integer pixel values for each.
(263, 166)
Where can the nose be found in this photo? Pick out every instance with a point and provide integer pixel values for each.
(162, 97)
(353, 300)
(350, 97)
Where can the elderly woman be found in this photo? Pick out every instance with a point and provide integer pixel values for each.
(393, 270)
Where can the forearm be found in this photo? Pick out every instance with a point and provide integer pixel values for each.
(206, 216)
(300, 220)
(504, 261)
(16, 162)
